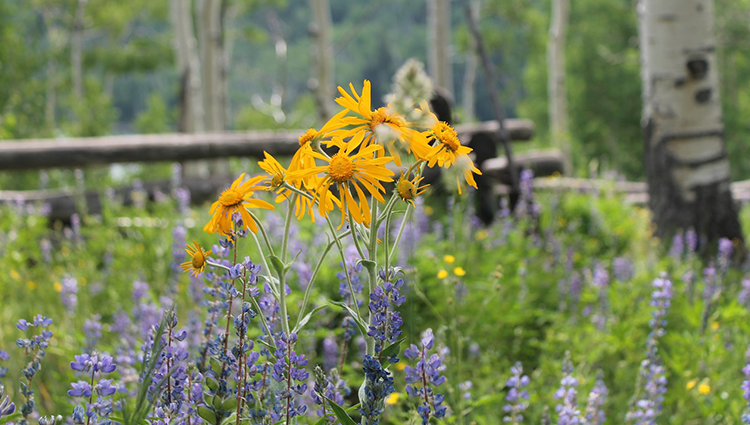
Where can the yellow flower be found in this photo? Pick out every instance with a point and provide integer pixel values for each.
(14, 274)
(442, 274)
(401, 366)
(449, 259)
(391, 399)
(31, 285)
(704, 389)
(350, 172)
(714, 326)
(691, 384)
(448, 152)
(428, 211)
(57, 286)
(481, 235)
(312, 138)
(277, 176)
(369, 121)
(410, 189)
(236, 199)
(197, 259)
(459, 271)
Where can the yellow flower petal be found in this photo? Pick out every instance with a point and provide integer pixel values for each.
(704, 389)
(449, 259)
(459, 271)
(391, 399)
(442, 274)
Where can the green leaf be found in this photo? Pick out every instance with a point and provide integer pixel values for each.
(207, 414)
(340, 413)
(291, 263)
(212, 384)
(393, 349)
(10, 418)
(277, 264)
(307, 318)
(229, 405)
(358, 320)
(368, 264)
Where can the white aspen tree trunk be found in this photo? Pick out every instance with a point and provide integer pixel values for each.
(556, 89)
(439, 43)
(470, 77)
(686, 161)
(185, 46)
(322, 57)
(76, 49)
(50, 101)
(212, 66)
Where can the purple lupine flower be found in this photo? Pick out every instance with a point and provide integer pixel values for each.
(3, 370)
(289, 371)
(465, 388)
(378, 385)
(745, 388)
(69, 293)
(93, 367)
(622, 269)
(744, 296)
(386, 321)
(330, 353)
(678, 245)
(426, 375)
(567, 408)
(323, 388)
(7, 407)
(35, 346)
(650, 397)
(724, 255)
(516, 395)
(594, 413)
(92, 328)
(46, 247)
(600, 280)
(691, 241)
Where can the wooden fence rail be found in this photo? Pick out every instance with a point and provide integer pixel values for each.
(80, 152)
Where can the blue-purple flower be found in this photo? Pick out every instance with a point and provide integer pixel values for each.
(422, 379)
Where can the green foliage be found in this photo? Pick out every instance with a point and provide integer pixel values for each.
(156, 118)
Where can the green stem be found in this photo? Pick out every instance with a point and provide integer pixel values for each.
(372, 267)
(282, 273)
(263, 232)
(346, 267)
(398, 237)
(388, 217)
(260, 252)
(355, 237)
(310, 283)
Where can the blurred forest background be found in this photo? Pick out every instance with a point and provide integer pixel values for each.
(96, 67)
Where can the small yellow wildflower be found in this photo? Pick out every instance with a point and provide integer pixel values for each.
(31, 285)
(401, 366)
(410, 189)
(714, 326)
(704, 389)
(428, 211)
(236, 199)
(442, 274)
(449, 259)
(391, 399)
(459, 271)
(197, 259)
(480, 235)
(691, 384)
(57, 286)
(14, 274)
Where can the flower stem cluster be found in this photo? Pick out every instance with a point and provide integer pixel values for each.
(377, 386)
(426, 375)
(516, 395)
(34, 346)
(93, 367)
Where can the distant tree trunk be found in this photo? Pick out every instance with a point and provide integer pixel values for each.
(276, 102)
(322, 81)
(439, 43)
(185, 46)
(76, 49)
(686, 161)
(213, 72)
(470, 77)
(50, 103)
(558, 103)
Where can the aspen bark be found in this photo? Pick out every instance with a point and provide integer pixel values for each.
(185, 47)
(470, 77)
(439, 42)
(76, 49)
(556, 90)
(322, 57)
(686, 161)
